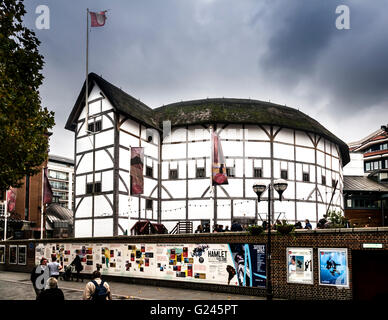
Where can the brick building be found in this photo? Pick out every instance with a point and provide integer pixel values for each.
(366, 180)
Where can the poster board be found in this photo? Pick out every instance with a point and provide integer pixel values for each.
(300, 265)
(22, 255)
(2, 254)
(13, 254)
(225, 264)
(333, 267)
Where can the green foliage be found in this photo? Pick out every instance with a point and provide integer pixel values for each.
(285, 228)
(336, 220)
(255, 230)
(24, 124)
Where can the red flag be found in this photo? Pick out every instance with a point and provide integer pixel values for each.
(47, 192)
(11, 197)
(97, 18)
(219, 169)
(137, 180)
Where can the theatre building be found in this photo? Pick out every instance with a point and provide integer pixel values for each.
(259, 140)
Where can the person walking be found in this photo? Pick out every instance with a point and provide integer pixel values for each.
(52, 293)
(97, 289)
(78, 267)
(38, 272)
(54, 267)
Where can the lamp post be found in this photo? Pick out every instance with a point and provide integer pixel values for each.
(280, 186)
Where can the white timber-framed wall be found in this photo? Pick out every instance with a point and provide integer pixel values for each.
(94, 162)
(249, 147)
(104, 157)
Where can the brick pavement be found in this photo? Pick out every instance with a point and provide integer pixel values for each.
(17, 286)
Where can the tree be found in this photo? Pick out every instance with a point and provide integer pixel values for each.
(24, 124)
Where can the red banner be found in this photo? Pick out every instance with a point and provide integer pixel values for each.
(137, 163)
(218, 167)
(47, 192)
(11, 199)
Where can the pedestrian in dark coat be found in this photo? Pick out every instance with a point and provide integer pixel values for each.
(52, 293)
(78, 267)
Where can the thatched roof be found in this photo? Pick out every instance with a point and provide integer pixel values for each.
(208, 111)
(121, 101)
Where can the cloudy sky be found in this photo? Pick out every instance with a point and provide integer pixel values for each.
(162, 51)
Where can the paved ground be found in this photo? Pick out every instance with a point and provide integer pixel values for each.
(17, 286)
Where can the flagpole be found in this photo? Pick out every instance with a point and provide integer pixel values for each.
(5, 215)
(41, 208)
(212, 187)
(87, 70)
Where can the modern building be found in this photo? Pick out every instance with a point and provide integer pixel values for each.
(366, 180)
(260, 140)
(61, 177)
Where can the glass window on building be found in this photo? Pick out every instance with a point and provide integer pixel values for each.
(59, 185)
(173, 174)
(231, 172)
(257, 173)
(149, 204)
(200, 173)
(54, 174)
(149, 171)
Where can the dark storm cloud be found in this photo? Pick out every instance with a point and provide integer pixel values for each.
(347, 67)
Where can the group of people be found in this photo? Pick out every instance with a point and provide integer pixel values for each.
(44, 278)
(219, 228)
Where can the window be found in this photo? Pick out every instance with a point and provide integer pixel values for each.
(231, 172)
(2, 254)
(200, 173)
(13, 254)
(173, 174)
(257, 173)
(323, 180)
(367, 166)
(22, 255)
(349, 203)
(149, 171)
(149, 205)
(306, 177)
(94, 126)
(58, 175)
(333, 183)
(59, 185)
(97, 187)
(284, 174)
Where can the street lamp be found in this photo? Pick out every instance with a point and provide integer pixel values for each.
(280, 186)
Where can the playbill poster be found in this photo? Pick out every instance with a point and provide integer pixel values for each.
(228, 264)
(333, 267)
(300, 265)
